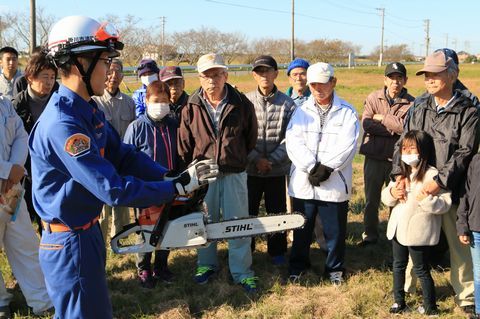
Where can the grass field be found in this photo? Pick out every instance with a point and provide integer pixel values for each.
(366, 293)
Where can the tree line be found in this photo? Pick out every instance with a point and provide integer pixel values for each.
(185, 47)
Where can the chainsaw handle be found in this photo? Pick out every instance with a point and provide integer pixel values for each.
(127, 230)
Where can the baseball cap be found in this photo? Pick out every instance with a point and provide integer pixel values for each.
(297, 63)
(396, 67)
(147, 65)
(265, 60)
(210, 61)
(449, 53)
(436, 62)
(319, 73)
(170, 72)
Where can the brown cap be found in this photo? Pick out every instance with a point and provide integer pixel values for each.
(170, 72)
(435, 63)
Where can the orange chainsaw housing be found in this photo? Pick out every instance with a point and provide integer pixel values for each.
(150, 215)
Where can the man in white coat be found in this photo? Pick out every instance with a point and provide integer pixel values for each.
(17, 238)
(321, 140)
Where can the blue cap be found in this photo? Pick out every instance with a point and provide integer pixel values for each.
(147, 65)
(449, 53)
(297, 63)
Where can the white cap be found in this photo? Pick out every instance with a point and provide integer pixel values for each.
(210, 61)
(319, 73)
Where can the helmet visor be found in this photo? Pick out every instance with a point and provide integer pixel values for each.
(106, 32)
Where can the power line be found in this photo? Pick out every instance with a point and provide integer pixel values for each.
(402, 25)
(348, 8)
(288, 12)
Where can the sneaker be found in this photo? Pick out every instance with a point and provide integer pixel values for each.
(249, 284)
(336, 278)
(397, 308)
(146, 279)
(279, 260)
(164, 275)
(5, 312)
(203, 274)
(432, 313)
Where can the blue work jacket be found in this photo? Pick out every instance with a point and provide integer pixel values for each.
(79, 163)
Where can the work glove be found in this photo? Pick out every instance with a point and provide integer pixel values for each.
(319, 173)
(199, 173)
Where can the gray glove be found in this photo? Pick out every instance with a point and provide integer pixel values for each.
(199, 173)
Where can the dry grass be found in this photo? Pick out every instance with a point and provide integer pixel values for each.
(366, 293)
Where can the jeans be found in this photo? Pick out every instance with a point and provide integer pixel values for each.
(421, 268)
(334, 220)
(273, 190)
(475, 249)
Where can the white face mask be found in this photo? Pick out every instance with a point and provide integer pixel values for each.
(157, 111)
(146, 80)
(411, 159)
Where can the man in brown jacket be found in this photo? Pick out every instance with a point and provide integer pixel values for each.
(382, 122)
(219, 122)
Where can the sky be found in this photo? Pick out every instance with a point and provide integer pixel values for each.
(356, 21)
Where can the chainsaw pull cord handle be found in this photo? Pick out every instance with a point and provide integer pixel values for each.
(160, 225)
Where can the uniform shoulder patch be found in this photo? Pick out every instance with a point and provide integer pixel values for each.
(77, 144)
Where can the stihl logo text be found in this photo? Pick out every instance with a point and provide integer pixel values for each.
(190, 225)
(235, 228)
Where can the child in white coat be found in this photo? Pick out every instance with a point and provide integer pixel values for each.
(415, 221)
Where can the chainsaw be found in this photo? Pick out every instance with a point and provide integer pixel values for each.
(192, 230)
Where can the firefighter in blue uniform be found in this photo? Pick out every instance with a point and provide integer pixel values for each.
(79, 163)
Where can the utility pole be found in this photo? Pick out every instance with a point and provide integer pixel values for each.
(446, 40)
(380, 59)
(162, 21)
(454, 44)
(33, 26)
(427, 36)
(292, 41)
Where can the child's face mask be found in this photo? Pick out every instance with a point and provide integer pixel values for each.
(411, 159)
(157, 111)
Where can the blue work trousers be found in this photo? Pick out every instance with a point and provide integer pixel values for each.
(73, 263)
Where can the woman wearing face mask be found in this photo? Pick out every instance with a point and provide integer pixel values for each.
(415, 221)
(155, 134)
(147, 71)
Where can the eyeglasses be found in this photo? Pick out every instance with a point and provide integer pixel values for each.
(107, 61)
(213, 77)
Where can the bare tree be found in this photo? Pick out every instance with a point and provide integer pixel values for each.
(399, 52)
(232, 45)
(16, 28)
(278, 48)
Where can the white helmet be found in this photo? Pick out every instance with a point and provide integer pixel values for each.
(79, 34)
(75, 35)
